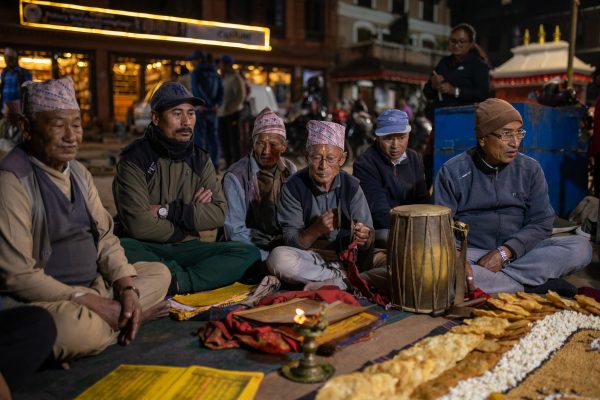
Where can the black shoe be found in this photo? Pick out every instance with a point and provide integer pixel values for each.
(560, 286)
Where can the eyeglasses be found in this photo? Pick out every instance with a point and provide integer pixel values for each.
(507, 135)
(317, 160)
(459, 42)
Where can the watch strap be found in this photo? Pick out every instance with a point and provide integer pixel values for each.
(136, 290)
(503, 255)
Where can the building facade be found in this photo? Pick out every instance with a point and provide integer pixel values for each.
(113, 71)
(388, 48)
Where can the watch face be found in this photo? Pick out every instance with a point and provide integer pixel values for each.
(163, 212)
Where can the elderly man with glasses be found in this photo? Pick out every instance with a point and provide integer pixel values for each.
(322, 210)
(503, 196)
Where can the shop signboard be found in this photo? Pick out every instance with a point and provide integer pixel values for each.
(73, 17)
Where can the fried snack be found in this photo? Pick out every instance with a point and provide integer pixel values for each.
(482, 325)
(518, 324)
(593, 310)
(516, 333)
(499, 314)
(563, 303)
(586, 301)
(475, 364)
(479, 312)
(426, 360)
(527, 304)
(507, 342)
(358, 386)
(532, 296)
(511, 308)
(488, 346)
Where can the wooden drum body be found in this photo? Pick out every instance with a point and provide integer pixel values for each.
(421, 256)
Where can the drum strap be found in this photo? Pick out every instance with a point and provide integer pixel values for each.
(459, 265)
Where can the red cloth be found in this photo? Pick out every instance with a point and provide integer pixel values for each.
(589, 292)
(232, 332)
(348, 258)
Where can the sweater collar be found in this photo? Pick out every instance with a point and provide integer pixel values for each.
(166, 147)
(477, 156)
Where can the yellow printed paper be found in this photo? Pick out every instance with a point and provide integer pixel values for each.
(145, 382)
(216, 296)
(214, 384)
(139, 382)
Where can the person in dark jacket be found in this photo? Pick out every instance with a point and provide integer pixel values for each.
(462, 78)
(166, 191)
(503, 196)
(390, 175)
(207, 86)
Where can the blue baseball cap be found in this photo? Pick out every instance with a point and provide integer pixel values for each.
(170, 94)
(392, 121)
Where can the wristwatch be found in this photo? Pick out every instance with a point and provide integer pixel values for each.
(504, 256)
(456, 92)
(132, 288)
(163, 212)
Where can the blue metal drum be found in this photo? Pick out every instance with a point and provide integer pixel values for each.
(552, 139)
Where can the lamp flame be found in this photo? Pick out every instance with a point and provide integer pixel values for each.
(299, 318)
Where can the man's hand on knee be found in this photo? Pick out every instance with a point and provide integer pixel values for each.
(491, 261)
(109, 310)
(131, 309)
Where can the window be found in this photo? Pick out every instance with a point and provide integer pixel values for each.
(275, 18)
(363, 34)
(397, 6)
(314, 16)
(364, 3)
(428, 6)
(240, 11)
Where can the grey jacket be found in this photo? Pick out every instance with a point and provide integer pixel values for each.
(508, 205)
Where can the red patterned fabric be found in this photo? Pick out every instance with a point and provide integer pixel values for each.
(348, 257)
(232, 332)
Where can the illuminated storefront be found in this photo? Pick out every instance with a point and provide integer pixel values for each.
(117, 57)
(45, 65)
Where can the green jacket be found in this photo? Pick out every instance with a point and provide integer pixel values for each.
(155, 171)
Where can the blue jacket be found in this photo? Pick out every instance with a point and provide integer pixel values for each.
(387, 186)
(507, 206)
(207, 85)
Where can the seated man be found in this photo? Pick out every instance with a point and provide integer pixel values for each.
(57, 248)
(503, 196)
(322, 210)
(390, 174)
(166, 191)
(252, 186)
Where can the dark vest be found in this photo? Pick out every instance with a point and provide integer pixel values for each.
(302, 189)
(72, 233)
(17, 162)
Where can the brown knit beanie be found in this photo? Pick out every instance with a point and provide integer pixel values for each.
(493, 114)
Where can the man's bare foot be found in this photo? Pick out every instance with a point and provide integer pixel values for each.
(157, 311)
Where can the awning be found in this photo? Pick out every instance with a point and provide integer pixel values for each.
(380, 70)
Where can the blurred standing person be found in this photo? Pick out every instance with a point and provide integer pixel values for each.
(234, 94)
(11, 79)
(403, 106)
(462, 78)
(185, 77)
(595, 143)
(207, 85)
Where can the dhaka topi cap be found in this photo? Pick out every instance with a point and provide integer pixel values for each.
(50, 95)
(392, 121)
(268, 122)
(170, 94)
(325, 132)
(493, 114)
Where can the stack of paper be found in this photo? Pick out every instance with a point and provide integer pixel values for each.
(186, 306)
(142, 382)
